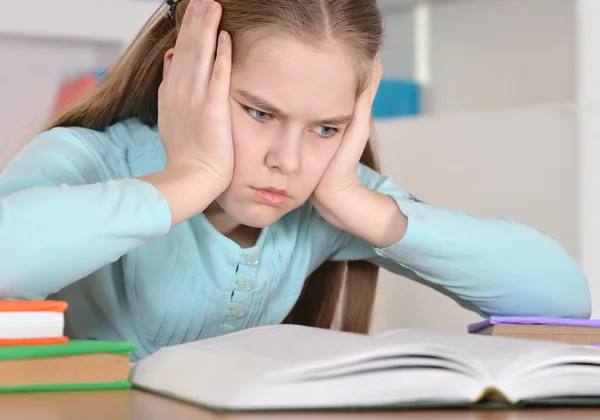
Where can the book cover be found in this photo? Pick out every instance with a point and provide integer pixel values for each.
(5, 342)
(532, 320)
(73, 347)
(33, 306)
(72, 367)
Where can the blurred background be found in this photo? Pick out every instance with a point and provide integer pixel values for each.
(491, 107)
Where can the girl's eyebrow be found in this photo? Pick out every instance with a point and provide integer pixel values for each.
(260, 102)
(341, 120)
(267, 107)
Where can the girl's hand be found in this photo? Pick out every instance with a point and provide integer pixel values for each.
(341, 198)
(194, 116)
(341, 175)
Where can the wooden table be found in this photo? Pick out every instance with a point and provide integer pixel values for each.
(138, 405)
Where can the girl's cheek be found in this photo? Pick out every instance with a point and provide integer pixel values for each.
(319, 155)
(241, 129)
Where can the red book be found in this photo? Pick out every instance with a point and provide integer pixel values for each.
(32, 322)
(74, 90)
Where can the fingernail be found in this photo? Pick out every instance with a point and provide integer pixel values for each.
(213, 6)
(222, 36)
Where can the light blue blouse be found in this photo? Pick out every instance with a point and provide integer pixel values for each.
(76, 225)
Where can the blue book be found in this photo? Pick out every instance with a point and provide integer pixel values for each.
(397, 98)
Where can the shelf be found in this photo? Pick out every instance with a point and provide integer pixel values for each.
(397, 5)
(89, 20)
(113, 21)
(425, 120)
(404, 5)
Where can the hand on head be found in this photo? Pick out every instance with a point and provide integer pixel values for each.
(194, 115)
(341, 172)
(275, 133)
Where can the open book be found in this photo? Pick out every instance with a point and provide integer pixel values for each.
(288, 367)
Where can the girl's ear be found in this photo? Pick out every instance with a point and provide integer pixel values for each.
(167, 63)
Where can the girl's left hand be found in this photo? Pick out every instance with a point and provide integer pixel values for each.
(341, 176)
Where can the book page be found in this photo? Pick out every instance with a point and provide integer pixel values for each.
(289, 365)
(294, 352)
(34, 324)
(499, 356)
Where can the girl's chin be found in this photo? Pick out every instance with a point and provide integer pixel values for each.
(253, 214)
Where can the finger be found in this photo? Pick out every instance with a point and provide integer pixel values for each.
(185, 37)
(183, 55)
(181, 44)
(218, 90)
(376, 76)
(356, 135)
(360, 125)
(206, 41)
(359, 129)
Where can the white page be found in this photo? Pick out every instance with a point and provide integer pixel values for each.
(387, 363)
(31, 324)
(563, 380)
(267, 366)
(305, 351)
(503, 357)
(202, 375)
(387, 387)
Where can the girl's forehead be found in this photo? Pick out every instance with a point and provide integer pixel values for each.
(298, 75)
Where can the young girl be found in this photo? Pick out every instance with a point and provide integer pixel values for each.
(194, 193)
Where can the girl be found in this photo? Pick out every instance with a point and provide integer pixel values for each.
(193, 193)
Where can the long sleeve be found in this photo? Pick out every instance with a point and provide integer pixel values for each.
(64, 214)
(490, 266)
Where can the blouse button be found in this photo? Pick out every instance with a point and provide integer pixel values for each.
(228, 330)
(238, 311)
(251, 259)
(244, 283)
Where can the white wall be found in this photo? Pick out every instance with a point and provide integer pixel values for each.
(500, 134)
(518, 163)
(489, 54)
(588, 89)
(32, 69)
(398, 55)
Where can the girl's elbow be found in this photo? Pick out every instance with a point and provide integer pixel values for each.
(573, 299)
(568, 296)
(554, 284)
(567, 293)
(16, 281)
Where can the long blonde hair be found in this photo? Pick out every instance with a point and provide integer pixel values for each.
(130, 90)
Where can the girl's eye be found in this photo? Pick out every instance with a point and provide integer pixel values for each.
(257, 115)
(325, 131)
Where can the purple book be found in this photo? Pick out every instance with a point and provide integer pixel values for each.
(533, 320)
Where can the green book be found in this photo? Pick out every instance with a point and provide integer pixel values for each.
(76, 365)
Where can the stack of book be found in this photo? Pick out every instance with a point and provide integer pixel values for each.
(35, 355)
(567, 330)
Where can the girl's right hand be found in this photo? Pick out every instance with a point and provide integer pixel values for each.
(194, 116)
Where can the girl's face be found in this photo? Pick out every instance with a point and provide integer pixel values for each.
(290, 105)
